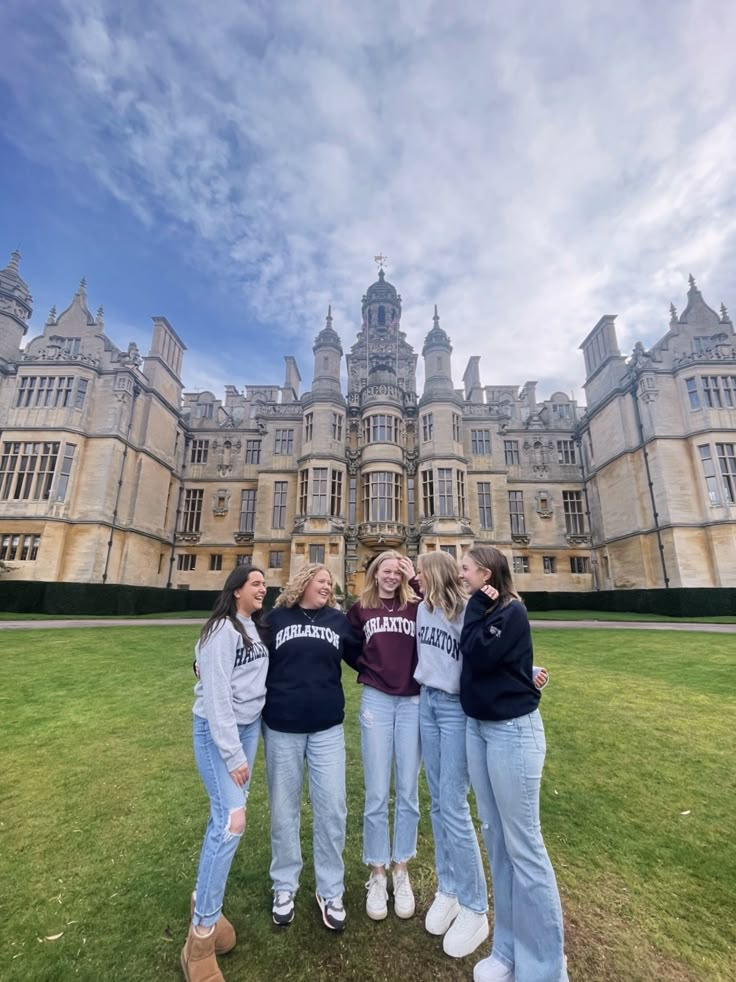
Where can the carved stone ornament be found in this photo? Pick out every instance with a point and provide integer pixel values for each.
(521, 540)
(221, 502)
(544, 504)
(188, 537)
(353, 461)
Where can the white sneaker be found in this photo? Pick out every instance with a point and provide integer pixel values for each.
(492, 970)
(467, 932)
(403, 894)
(376, 901)
(442, 913)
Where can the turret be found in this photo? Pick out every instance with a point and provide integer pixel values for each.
(327, 358)
(15, 310)
(437, 352)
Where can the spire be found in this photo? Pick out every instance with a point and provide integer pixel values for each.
(328, 319)
(725, 319)
(51, 319)
(673, 314)
(14, 261)
(691, 281)
(437, 336)
(328, 335)
(99, 320)
(83, 286)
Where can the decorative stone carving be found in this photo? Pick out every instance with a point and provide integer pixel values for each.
(190, 537)
(544, 504)
(221, 502)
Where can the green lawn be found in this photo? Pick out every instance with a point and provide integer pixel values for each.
(101, 815)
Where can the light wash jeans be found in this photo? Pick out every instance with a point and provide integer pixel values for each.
(218, 848)
(458, 860)
(324, 753)
(389, 738)
(505, 760)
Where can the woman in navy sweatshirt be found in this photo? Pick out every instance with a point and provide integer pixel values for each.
(506, 750)
(303, 721)
(385, 616)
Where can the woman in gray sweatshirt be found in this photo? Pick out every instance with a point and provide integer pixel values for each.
(231, 666)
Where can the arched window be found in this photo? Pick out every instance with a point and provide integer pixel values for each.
(382, 316)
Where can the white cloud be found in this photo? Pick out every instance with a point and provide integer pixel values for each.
(526, 173)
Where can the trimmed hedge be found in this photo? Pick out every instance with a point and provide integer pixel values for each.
(104, 599)
(675, 602)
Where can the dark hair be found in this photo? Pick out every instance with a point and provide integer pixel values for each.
(226, 607)
(492, 559)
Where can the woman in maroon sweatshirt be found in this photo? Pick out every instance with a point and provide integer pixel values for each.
(389, 727)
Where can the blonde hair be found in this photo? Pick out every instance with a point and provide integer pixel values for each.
(370, 598)
(443, 587)
(294, 589)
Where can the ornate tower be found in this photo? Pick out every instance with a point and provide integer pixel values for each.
(15, 310)
(381, 450)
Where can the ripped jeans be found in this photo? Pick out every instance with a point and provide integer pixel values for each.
(218, 848)
(389, 737)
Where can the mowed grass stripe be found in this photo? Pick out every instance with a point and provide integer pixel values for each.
(101, 816)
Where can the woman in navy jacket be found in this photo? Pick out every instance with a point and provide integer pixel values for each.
(506, 750)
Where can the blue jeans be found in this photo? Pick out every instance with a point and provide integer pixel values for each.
(218, 848)
(324, 753)
(458, 860)
(505, 760)
(389, 738)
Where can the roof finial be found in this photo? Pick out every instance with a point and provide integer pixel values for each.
(51, 319)
(673, 313)
(691, 281)
(100, 312)
(14, 260)
(82, 285)
(381, 261)
(328, 319)
(724, 313)
(436, 318)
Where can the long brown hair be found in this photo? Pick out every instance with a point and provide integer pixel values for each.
(443, 588)
(226, 608)
(370, 599)
(492, 559)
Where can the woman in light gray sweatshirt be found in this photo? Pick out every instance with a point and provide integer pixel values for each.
(231, 666)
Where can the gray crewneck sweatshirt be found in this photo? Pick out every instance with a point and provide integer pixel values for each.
(231, 687)
(438, 650)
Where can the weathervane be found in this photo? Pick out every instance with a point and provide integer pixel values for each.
(380, 261)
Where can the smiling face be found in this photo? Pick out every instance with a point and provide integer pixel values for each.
(475, 576)
(250, 596)
(317, 591)
(388, 578)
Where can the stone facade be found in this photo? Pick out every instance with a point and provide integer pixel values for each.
(109, 472)
(659, 452)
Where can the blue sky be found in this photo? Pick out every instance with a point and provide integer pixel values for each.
(528, 167)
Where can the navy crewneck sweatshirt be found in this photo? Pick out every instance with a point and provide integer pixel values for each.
(496, 681)
(303, 687)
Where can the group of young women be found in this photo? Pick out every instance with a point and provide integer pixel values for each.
(447, 682)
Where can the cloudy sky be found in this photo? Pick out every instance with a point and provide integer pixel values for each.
(527, 166)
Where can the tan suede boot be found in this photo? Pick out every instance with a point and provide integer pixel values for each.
(198, 961)
(225, 936)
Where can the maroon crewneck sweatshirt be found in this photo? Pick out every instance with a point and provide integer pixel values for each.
(389, 647)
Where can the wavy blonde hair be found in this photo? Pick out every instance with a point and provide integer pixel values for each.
(294, 589)
(443, 588)
(370, 599)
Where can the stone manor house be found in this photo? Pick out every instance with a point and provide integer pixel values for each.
(111, 473)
